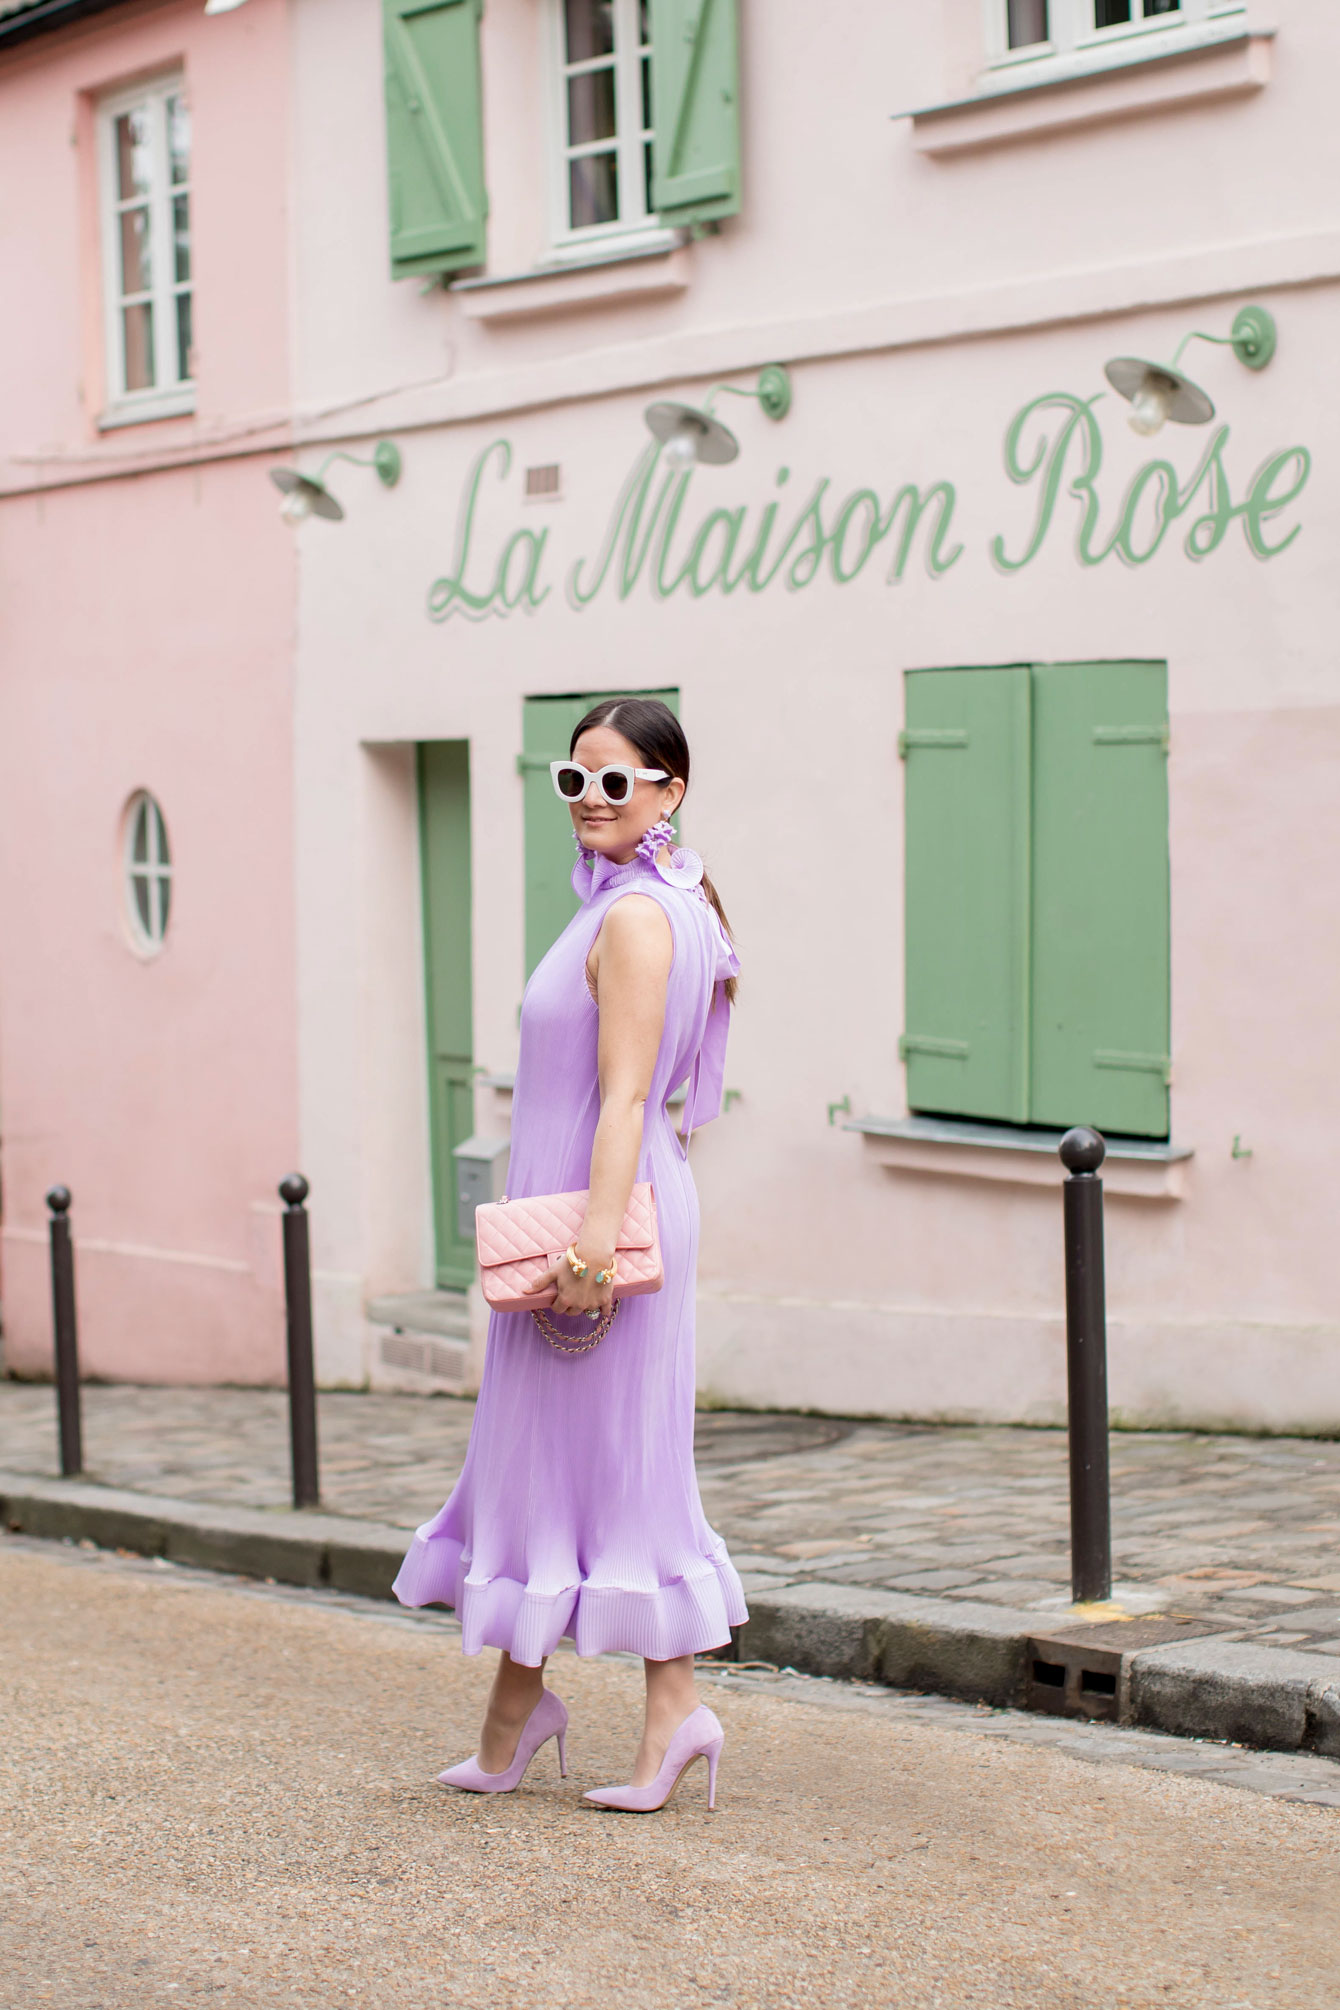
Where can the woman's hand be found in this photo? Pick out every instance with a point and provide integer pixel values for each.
(579, 1296)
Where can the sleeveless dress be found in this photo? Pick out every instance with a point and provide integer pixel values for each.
(577, 1514)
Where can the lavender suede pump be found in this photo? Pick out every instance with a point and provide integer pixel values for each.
(547, 1720)
(699, 1736)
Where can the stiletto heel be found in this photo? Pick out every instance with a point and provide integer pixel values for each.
(713, 1754)
(547, 1720)
(699, 1736)
(562, 1738)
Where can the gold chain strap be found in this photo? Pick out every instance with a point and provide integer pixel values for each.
(562, 1342)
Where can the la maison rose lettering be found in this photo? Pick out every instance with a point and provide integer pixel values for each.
(656, 542)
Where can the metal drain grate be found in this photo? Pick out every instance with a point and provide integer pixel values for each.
(1078, 1672)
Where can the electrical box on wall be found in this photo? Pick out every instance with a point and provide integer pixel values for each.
(481, 1175)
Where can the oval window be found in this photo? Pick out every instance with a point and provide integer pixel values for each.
(148, 871)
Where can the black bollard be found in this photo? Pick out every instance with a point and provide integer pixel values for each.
(66, 1335)
(301, 1366)
(1082, 1152)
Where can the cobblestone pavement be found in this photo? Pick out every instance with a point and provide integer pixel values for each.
(212, 1792)
(1242, 1530)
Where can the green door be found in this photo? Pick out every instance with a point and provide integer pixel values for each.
(546, 729)
(444, 839)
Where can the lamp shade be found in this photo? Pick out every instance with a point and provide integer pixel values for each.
(305, 497)
(1157, 392)
(690, 435)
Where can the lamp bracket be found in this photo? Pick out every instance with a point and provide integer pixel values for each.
(1253, 336)
(385, 458)
(773, 391)
(1252, 339)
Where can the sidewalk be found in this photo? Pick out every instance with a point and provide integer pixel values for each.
(929, 1557)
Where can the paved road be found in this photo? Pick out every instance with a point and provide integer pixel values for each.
(1245, 1531)
(217, 1794)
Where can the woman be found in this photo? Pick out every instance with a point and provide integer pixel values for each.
(577, 1512)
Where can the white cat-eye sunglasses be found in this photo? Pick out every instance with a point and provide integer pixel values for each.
(615, 781)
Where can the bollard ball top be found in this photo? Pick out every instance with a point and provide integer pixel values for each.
(293, 1189)
(1082, 1150)
(58, 1199)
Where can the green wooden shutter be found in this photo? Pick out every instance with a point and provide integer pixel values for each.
(546, 729)
(1100, 1042)
(695, 109)
(434, 135)
(966, 750)
(444, 825)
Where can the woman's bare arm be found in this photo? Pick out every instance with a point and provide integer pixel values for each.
(630, 966)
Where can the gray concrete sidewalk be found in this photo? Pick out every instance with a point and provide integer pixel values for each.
(1243, 1531)
(928, 1557)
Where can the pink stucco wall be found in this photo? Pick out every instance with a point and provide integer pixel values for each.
(148, 633)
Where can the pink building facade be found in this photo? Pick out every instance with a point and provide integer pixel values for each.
(1016, 731)
(148, 634)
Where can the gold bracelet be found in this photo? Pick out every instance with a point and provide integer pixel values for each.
(608, 1275)
(579, 1266)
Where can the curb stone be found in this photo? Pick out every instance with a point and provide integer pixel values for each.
(1214, 1687)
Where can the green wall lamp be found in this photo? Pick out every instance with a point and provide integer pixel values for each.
(307, 495)
(1159, 391)
(690, 435)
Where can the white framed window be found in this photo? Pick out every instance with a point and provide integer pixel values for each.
(147, 873)
(144, 174)
(599, 61)
(1084, 34)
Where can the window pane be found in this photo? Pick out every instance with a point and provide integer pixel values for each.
(138, 326)
(140, 887)
(646, 94)
(643, 24)
(136, 271)
(160, 843)
(594, 186)
(646, 180)
(1027, 22)
(140, 840)
(181, 236)
(179, 139)
(1111, 13)
(184, 337)
(590, 107)
(590, 28)
(1162, 7)
(132, 153)
(164, 900)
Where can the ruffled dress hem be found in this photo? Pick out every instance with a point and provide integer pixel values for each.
(688, 1616)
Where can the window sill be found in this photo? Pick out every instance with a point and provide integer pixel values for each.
(177, 403)
(1097, 86)
(1134, 1166)
(649, 273)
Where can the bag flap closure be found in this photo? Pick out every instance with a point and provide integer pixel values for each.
(515, 1231)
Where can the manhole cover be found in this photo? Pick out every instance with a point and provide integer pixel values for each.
(728, 1437)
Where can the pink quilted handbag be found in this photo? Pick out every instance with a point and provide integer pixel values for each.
(518, 1240)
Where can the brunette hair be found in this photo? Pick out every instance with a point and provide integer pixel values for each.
(649, 725)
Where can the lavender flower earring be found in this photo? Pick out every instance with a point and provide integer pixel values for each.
(682, 868)
(651, 841)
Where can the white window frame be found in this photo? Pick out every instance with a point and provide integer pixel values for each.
(170, 395)
(1077, 48)
(637, 229)
(155, 869)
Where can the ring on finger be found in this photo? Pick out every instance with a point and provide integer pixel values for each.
(594, 1315)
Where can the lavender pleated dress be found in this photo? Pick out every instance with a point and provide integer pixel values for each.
(576, 1514)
